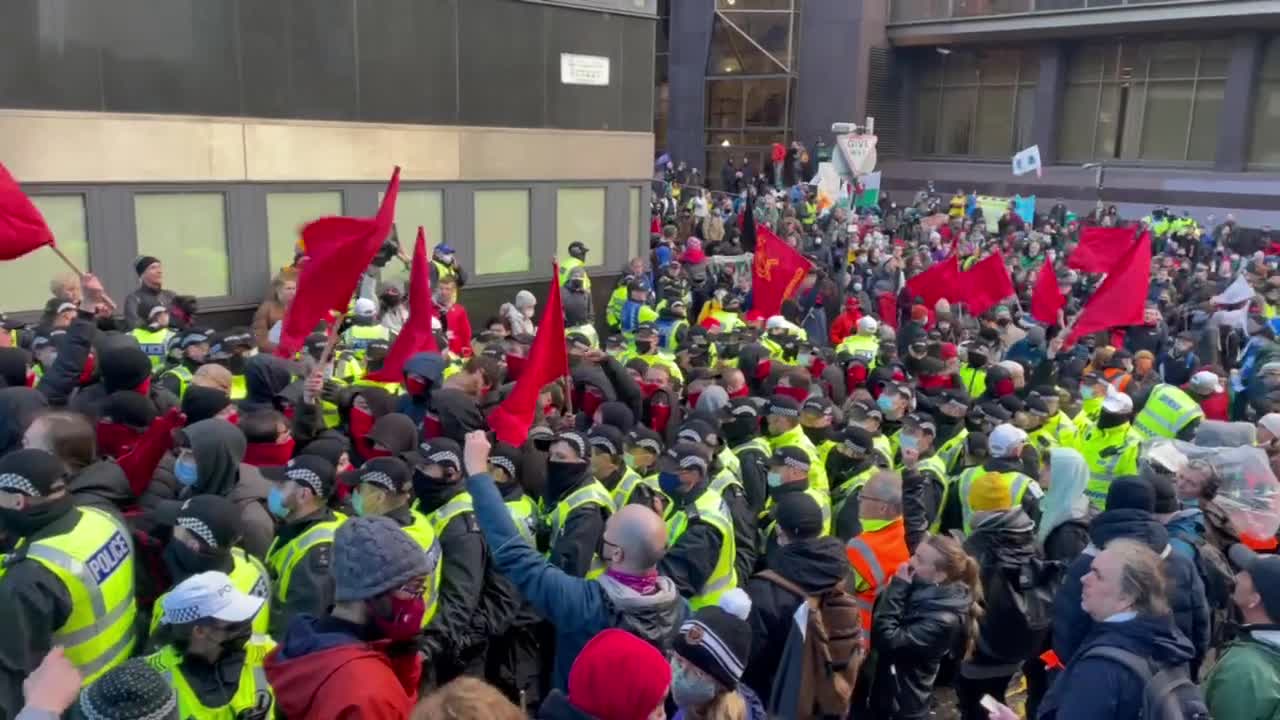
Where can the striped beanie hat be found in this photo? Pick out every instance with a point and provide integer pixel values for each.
(717, 642)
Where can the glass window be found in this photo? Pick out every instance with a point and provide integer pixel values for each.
(287, 213)
(977, 103)
(502, 231)
(414, 208)
(1079, 121)
(639, 228)
(724, 104)
(188, 232)
(580, 218)
(1265, 146)
(26, 280)
(732, 53)
(770, 31)
(765, 103)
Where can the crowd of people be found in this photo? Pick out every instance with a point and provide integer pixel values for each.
(719, 514)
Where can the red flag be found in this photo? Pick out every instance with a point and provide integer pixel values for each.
(776, 271)
(1122, 297)
(22, 227)
(416, 335)
(339, 249)
(1046, 298)
(547, 362)
(985, 284)
(1101, 247)
(935, 283)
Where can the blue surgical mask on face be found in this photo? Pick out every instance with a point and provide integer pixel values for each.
(357, 503)
(907, 442)
(885, 403)
(275, 503)
(185, 472)
(669, 482)
(774, 479)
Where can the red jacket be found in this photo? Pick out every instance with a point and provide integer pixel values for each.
(457, 328)
(1215, 406)
(846, 324)
(330, 675)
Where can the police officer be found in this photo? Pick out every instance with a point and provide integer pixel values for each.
(851, 464)
(68, 581)
(193, 345)
(445, 266)
(1093, 390)
(636, 310)
(973, 371)
(384, 486)
(643, 446)
(789, 472)
(725, 483)
(1109, 448)
(816, 417)
(450, 641)
(1057, 430)
(924, 478)
(300, 557)
(1168, 413)
(577, 259)
(364, 328)
(608, 463)
(576, 506)
(1000, 475)
(153, 333)
(700, 537)
(782, 425)
(211, 656)
(205, 533)
(740, 424)
(864, 345)
(953, 406)
(672, 325)
(867, 416)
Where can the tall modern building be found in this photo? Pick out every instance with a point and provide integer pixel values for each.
(1177, 100)
(206, 132)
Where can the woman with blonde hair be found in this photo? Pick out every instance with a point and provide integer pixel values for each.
(929, 609)
(271, 312)
(466, 698)
(707, 660)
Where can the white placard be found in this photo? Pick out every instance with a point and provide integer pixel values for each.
(1027, 160)
(859, 152)
(584, 70)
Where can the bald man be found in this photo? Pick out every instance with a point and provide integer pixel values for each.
(877, 551)
(630, 594)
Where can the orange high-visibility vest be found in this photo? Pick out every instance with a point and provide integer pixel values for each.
(876, 555)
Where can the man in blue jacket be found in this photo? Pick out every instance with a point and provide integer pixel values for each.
(630, 594)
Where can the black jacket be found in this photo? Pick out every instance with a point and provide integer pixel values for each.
(692, 558)
(815, 565)
(458, 412)
(1071, 625)
(102, 485)
(755, 476)
(558, 707)
(913, 628)
(90, 399)
(60, 381)
(462, 583)
(1002, 543)
(1067, 541)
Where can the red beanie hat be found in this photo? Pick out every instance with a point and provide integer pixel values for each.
(618, 676)
(919, 313)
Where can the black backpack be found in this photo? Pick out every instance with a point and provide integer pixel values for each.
(1168, 693)
(1215, 571)
(1019, 608)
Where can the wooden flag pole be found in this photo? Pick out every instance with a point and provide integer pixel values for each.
(79, 273)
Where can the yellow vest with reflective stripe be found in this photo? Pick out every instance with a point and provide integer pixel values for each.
(819, 496)
(729, 321)
(569, 265)
(252, 692)
(937, 466)
(95, 562)
(952, 450)
(974, 379)
(184, 378)
(588, 331)
(627, 485)
(239, 388)
(154, 344)
(443, 272)
(710, 508)
(863, 347)
(729, 462)
(613, 311)
(358, 337)
(1012, 485)
(795, 437)
(282, 559)
(1168, 411)
(593, 493)
(424, 535)
(844, 491)
(1109, 453)
(249, 576)
(525, 516)
(725, 480)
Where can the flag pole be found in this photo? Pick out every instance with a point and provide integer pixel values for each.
(76, 269)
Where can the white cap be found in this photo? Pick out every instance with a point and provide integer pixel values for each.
(1271, 423)
(776, 322)
(366, 307)
(867, 324)
(1002, 440)
(1205, 383)
(209, 595)
(1117, 402)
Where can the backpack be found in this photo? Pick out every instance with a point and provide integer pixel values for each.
(833, 648)
(1018, 601)
(1215, 571)
(1168, 693)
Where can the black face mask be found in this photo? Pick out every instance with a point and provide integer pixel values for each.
(236, 364)
(729, 350)
(977, 360)
(237, 636)
(432, 492)
(839, 465)
(817, 435)
(25, 523)
(183, 562)
(739, 430)
(644, 347)
(561, 476)
(1108, 419)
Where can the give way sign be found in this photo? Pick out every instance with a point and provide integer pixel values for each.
(859, 152)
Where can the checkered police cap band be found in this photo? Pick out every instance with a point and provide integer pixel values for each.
(744, 410)
(197, 527)
(689, 435)
(575, 440)
(14, 481)
(379, 478)
(795, 464)
(444, 457)
(693, 461)
(647, 443)
(783, 411)
(603, 442)
(504, 463)
(303, 475)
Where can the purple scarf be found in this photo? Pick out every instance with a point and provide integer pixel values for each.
(646, 584)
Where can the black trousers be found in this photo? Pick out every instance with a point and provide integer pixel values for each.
(969, 692)
(514, 666)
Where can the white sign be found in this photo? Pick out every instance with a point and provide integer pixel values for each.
(859, 152)
(1027, 160)
(584, 70)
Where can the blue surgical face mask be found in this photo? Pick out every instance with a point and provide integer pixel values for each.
(908, 442)
(1086, 393)
(357, 503)
(630, 460)
(275, 503)
(185, 472)
(669, 482)
(885, 403)
(774, 479)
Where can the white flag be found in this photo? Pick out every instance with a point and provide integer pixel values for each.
(1027, 160)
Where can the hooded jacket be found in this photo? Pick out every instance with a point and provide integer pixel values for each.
(578, 609)
(13, 367)
(815, 565)
(427, 365)
(1002, 543)
(1071, 624)
(1101, 689)
(61, 380)
(265, 377)
(329, 669)
(914, 626)
(102, 485)
(18, 407)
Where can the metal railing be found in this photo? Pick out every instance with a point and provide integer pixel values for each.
(902, 11)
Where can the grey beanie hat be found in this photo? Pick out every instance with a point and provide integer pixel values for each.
(133, 690)
(372, 555)
(525, 299)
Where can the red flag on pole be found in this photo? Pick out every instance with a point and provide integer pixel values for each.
(548, 361)
(776, 273)
(935, 283)
(22, 227)
(1122, 297)
(1101, 247)
(1046, 297)
(416, 335)
(985, 284)
(339, 249)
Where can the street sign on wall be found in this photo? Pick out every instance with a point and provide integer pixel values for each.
(858, 152)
